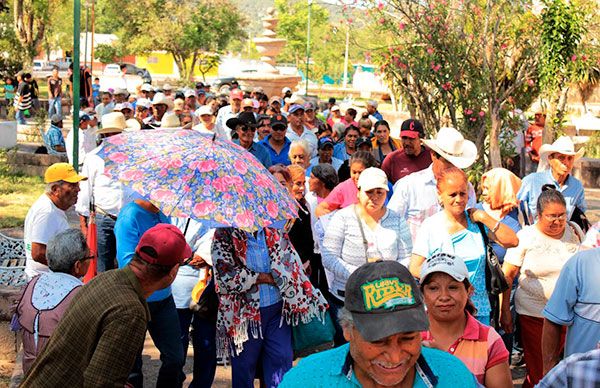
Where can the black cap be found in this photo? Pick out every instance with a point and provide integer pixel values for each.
(384, 300)
(244, 118)
(278, 120)
(412, 128)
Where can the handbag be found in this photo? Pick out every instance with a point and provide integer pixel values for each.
(313, 336)
(580, 219)
(208, 304)
(495, 282)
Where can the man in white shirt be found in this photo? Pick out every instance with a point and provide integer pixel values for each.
(87, 138)
(227, 112)
(106, 106)
(107, 196)
(297, 130)
(415, 196)
(46, 217)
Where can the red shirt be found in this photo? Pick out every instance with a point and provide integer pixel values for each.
(397, 164)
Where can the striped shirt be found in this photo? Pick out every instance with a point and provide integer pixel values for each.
(480, 347)
(579, 370)
(258, 260)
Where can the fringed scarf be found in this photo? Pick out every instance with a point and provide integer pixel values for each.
(239, 314)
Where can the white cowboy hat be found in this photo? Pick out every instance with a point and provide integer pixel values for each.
(113, 122)
(563, 145)
(170, 120)
(132, 125)
(452, 146)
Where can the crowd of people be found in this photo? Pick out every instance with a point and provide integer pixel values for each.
(392, 242)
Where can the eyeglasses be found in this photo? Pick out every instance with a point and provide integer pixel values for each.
(246, 129)
(87, 258)
(553, 217)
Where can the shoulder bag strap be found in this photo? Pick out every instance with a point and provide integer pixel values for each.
(362, 232)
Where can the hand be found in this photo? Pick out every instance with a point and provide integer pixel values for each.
(506, 321)
(197, 261)
(265, 278)
(476, 215)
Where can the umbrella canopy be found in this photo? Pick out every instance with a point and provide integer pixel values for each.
(192, 174)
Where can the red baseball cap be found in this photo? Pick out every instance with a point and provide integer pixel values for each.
(163, 244)
(236, 94)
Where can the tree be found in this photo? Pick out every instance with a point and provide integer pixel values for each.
(185, 29)
(459, 62)
(11, 56)
(31, 18)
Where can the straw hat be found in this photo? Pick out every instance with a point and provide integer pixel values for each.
(132, 125)
(170, 120)
(113, 122)
(453, 147)
(160, 98)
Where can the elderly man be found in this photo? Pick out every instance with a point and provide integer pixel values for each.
(412, 157)
(105, 326)
(415, 196)
(227, 112)
(46, 217)
(46, 297)
(107, 194)
(54, 136)
(299, 153)
(372, 111)
(297, 130)
(556, 163)
(133, 221)
(277, 143)
(245, 127)
(382, 319)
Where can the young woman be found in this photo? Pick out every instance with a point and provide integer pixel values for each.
(383, 143)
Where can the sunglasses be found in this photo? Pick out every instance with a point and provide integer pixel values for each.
(246, 129)
(278, 129)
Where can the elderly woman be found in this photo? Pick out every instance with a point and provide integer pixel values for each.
(455, 230)
(543, 249)
(47, 296)
(346, 193)
(556, 163)
(263, 291)
(383, 143)
(345, 149)
(300, 153)
(452, 328)
(362, 233)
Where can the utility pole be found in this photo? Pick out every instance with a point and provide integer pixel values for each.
(308, 45)
(76, 75)
(346, 56)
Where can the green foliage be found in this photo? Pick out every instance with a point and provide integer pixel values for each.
(12, 62)
(108, 53)
(592, 147)
(562, 29)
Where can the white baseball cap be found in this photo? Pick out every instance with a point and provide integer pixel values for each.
(144, 102)
(189, 93)
(204, 110)
(123, 105)
(372, 178)
(146, 88)
(446, 263)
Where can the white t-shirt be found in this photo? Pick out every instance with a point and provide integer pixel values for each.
(43, 221)
(541, 259)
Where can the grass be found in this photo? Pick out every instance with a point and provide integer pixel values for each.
(17, 194)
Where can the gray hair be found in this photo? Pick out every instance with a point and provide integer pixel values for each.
(302, 144)
(339, 129)
(345, 318)
(50, 186)
(65, 249)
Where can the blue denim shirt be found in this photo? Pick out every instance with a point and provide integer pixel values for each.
(258, 260)
(278, 158)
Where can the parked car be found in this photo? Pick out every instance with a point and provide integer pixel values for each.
(223, 84)
(133, 69)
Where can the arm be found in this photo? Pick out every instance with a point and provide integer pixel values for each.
(333, 245)
(404, 243)
(498, 376)
(121, 339)
(416, 262)
(59, 148)
(510, 272)
(38, 253)
(551, 344)
(322, 209)
(504, 236)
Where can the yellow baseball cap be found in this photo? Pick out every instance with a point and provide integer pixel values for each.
(62, 172)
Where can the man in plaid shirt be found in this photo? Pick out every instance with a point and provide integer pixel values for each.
(581, 370)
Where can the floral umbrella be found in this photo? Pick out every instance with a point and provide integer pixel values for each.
(191, 174)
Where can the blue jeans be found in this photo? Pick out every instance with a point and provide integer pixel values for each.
(107, 243)
(164, 330)
(20, 116)
(273, 351)
(54, 106)
(205, 349)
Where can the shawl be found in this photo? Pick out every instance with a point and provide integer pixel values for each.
(239, 314)
(503, 187)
